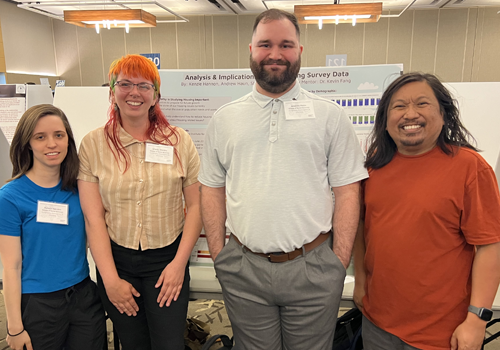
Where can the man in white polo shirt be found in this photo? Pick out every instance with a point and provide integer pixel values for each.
(278, 153)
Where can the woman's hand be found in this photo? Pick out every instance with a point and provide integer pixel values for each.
(121, 294)
(171, 280)
(19, 341)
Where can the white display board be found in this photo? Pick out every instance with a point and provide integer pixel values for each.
(480, 115)
(37, 95)
(85, 107)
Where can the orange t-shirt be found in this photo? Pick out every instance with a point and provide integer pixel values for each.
(424, 215)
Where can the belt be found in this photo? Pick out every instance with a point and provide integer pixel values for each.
(59, 294)
(279, 257)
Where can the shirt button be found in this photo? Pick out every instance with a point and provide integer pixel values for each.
(273, 123)
(138, 202)
(141, 161)
(274, 112)
(139, 225)
(141, 181)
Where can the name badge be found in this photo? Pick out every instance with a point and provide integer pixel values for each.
(52, 213)
(162, 154)
(299, 110)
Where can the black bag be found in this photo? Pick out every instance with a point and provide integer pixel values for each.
(195, 334)
(228, 343)
(348, 331)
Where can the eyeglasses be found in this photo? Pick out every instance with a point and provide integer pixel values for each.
(126, 86)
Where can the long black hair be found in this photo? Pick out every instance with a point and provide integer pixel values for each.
(382, 146)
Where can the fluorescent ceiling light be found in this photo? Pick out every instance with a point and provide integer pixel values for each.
(322, 18)
(120, 18)
(345, 13)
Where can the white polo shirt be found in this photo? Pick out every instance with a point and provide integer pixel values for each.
(278, 172)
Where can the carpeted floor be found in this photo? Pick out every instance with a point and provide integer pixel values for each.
(213, 313)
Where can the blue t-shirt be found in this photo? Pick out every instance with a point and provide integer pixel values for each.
(54, 255)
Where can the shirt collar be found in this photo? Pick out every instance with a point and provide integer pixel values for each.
(263, 100)
(125, 138)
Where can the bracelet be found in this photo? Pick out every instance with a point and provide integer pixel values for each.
(12, 335)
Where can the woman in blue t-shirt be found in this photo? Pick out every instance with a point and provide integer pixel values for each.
(50, 301)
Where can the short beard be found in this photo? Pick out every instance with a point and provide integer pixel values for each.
(410, 143)
(272, 83)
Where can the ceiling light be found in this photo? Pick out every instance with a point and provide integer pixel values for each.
(120, 18)
(345, 13)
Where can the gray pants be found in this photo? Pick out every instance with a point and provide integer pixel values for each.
(273, 306)
(375, 338)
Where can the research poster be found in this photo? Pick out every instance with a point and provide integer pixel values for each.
(189, 98)
(11, 110)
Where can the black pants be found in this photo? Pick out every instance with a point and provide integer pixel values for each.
(154, 327)
(70, 319)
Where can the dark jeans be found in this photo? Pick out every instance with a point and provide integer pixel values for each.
(71, 319)
(154, 327)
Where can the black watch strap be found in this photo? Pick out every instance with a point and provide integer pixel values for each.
(481, 312)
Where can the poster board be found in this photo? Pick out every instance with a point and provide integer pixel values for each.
(192, 96)
(86, 108)
(11, 110)
(478, 105)
(38, 94)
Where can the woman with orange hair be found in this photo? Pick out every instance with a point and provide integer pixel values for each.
(134, 173)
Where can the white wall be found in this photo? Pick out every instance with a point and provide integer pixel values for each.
(29, 45)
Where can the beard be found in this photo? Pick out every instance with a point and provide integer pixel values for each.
(275, 82)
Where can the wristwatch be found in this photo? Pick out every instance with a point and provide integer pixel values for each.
(481, 312)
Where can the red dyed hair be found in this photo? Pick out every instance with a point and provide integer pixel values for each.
(159, 130)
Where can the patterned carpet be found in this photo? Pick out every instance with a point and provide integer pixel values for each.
(211, 312)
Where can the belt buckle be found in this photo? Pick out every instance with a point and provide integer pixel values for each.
(271, 255)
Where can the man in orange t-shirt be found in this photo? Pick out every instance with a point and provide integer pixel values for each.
(427, 255)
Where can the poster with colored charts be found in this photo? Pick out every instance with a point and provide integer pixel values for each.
(189, 98)
(361, 110)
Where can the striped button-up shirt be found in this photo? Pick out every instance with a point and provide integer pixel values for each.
(143, 205)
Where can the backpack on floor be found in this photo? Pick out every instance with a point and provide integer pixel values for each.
(226, 342)
(196, 334)
(348, 331)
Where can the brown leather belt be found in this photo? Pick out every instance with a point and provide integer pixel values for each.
(279, 257)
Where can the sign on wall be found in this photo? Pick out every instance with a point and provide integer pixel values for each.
(336, 60)
(153, 57)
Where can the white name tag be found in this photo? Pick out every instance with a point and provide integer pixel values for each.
(52, 213)
(162, 154)
(299, 110)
